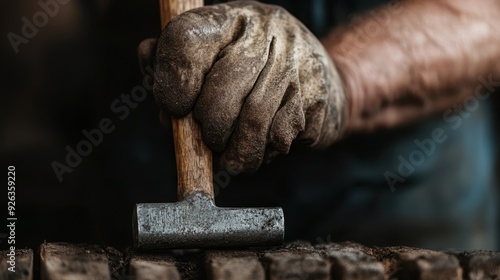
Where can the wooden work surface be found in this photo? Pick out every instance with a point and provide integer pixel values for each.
(293, 261)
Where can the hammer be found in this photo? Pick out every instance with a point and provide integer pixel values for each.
(194, 221)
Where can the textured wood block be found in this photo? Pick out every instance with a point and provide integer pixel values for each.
(421, 264)
(349, 261)
(226, 265)
(153, 267)
(23, 266)
(60, 261)
(480, 265)
(296, 261)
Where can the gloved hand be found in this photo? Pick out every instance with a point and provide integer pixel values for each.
(255, 78)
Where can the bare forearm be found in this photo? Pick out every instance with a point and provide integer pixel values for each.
(414, 58)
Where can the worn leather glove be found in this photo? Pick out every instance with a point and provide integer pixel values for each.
(255, 78)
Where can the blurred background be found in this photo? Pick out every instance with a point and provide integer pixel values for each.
(66, 77)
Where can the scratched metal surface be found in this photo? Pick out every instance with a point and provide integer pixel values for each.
(197, 223)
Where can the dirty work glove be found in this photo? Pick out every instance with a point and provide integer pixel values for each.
(255, 78)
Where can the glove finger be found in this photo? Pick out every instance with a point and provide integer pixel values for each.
(288, 121)
(245, 150)
(314, 76)
(187, 49)
(227, 86)
(146, 52)
(270, 154)
(323, 96)
(314, 119)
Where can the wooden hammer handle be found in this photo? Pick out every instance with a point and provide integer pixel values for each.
(172, 8)
(193, 158)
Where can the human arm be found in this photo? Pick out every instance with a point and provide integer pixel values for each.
(410, 59)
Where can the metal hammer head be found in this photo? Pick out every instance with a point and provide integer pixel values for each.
(196, 222)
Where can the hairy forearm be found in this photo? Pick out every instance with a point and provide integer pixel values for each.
(410, 59)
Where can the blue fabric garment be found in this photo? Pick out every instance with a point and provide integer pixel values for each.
(449, 200)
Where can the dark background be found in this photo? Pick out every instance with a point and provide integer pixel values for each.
(63, 81)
